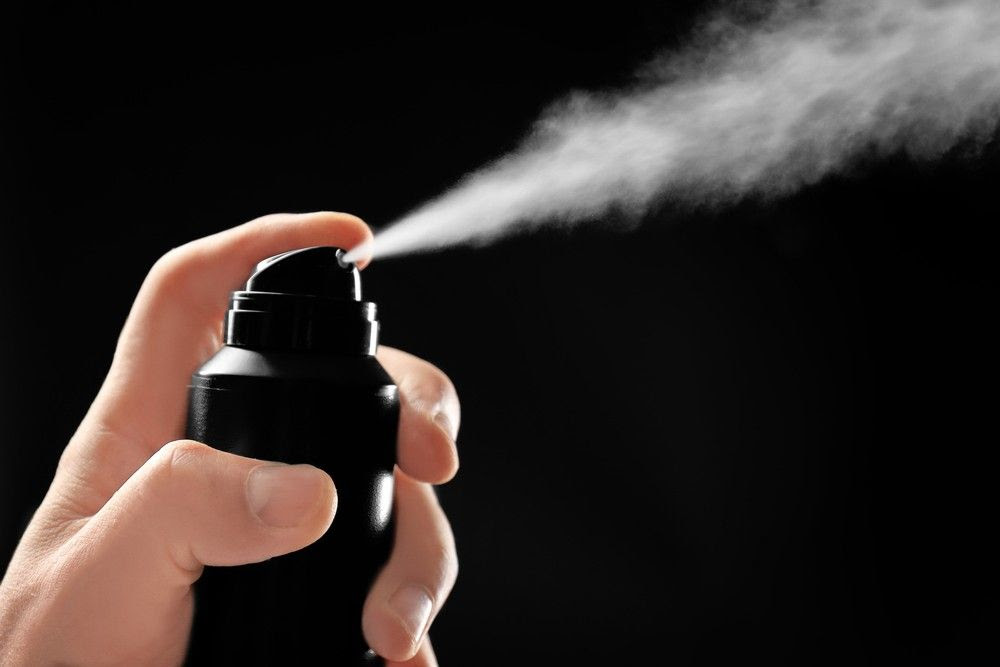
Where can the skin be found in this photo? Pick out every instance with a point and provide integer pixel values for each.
(104, 572)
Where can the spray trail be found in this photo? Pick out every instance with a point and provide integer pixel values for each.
(756, 110)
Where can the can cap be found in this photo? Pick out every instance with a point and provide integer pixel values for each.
(308, 299)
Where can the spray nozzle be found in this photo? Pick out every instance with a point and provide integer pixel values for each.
(303, 300)
(317, 271)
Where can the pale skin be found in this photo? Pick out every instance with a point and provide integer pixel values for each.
(104, 572)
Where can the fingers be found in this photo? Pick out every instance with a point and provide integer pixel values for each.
(191, 505)
(418, 577)
(429, 417)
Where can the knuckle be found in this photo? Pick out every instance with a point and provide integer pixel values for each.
(176, 457)
(451, 569)
(447, 571)
(433, 386)
(184, 453)
(445, 557)
(170, 272)
(452, 559)
(172, 261)
(438, 379)
(174, 473)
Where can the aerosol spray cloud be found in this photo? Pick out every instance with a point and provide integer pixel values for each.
(746, 110)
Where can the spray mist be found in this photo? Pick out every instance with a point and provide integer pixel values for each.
(297, 382)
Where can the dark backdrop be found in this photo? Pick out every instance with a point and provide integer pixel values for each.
(748, 434)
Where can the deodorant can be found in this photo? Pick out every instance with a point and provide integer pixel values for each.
(297, 382)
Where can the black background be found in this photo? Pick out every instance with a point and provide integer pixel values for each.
(756, 433)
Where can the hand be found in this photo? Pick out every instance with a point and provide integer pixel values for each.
(104, 571)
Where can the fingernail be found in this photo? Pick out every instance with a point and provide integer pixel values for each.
(413, 606)
(283, 495)
(442, 420)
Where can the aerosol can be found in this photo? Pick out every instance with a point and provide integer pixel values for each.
(297, 382)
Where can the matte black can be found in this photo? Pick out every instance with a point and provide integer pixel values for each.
(297, 382)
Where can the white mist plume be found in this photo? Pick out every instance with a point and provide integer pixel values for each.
(757, 110)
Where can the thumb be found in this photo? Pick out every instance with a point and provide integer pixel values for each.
(191, 505)
(130, 566)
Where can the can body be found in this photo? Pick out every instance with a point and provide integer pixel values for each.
(339, 413)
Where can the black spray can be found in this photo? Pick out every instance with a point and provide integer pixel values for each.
(297, 382)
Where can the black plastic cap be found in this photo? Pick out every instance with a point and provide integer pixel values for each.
(303, 300)
(318, 271)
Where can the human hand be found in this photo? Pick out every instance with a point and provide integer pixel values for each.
(104, 571)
